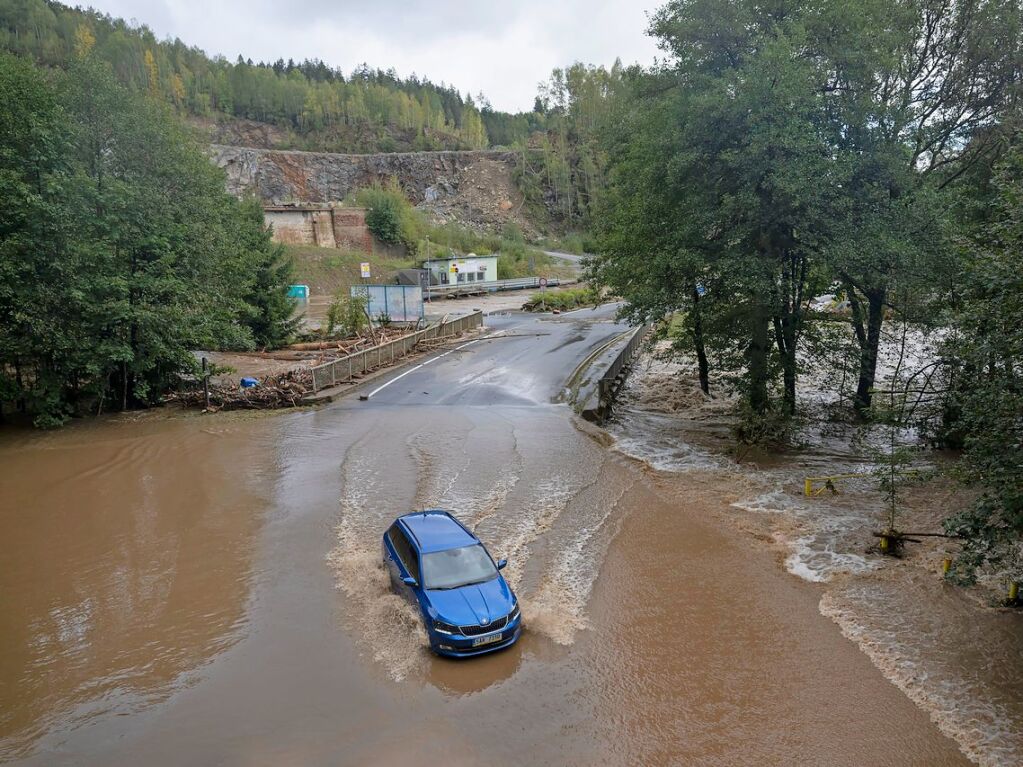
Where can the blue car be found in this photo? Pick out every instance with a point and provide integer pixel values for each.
(438, 565)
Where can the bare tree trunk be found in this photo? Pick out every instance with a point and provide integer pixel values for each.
(759, 349)
(867, 327)
(701, 352)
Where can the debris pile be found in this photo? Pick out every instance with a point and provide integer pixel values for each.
(272, 392)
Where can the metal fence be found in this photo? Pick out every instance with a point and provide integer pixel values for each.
(400, 303)
(479, 288)
(344, 369)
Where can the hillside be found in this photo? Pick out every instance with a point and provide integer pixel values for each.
(476, 189)
(311, 107)
(283, 104)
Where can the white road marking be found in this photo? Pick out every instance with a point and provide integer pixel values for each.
(424, 364)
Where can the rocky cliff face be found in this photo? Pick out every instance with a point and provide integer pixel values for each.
(475, 188)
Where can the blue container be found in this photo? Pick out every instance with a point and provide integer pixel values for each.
(248, 383)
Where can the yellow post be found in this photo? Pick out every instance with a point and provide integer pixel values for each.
(946, 566)
(808, 486)
(884, 544)
(1013, 591)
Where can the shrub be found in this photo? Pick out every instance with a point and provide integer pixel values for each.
(563, 300)
(346, 313)
(390, 216)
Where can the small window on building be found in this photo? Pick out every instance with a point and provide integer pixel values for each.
(472, 276)
(443, 278)
(461, 276)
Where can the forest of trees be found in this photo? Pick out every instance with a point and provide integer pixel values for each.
(315, 107)
(120, 250)
(368, 110)
(870, 149)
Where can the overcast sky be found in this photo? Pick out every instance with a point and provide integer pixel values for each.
(501, 48)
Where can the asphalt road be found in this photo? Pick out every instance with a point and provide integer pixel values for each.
(570, 257)
(524, 360)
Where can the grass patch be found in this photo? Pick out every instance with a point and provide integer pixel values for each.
(327, 270)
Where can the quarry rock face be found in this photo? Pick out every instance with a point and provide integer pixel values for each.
(475, 188)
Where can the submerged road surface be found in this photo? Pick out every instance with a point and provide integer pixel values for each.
(208, 590)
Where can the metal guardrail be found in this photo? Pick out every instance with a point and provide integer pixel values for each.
(608, 384)
(478, 289)
(344, 369)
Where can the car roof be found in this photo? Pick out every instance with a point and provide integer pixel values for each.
(436, 530)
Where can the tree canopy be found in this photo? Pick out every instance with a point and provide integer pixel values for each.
(120, 250)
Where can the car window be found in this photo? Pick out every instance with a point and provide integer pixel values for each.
(404, 549)
(412, 563)
(452, 568)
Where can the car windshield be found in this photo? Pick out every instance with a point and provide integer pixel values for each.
(452, 568)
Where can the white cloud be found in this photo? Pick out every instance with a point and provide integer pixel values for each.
(503, 49)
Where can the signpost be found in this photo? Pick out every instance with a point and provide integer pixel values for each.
(365, 269)
(543, 294)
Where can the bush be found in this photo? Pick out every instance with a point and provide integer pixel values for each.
(562, 300)
(346, 313)
(390, 216)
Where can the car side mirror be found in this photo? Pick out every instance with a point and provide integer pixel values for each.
(408, 580)
(501, 564)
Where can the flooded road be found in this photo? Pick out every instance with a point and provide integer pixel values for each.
(203, 590)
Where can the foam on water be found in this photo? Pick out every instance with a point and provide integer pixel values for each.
(822, 538)
(550, 497)
(387, 625)
(954, 691)
(558, 606)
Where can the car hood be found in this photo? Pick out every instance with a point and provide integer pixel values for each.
(473, 605)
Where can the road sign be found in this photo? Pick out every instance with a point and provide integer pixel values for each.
(543, 282)
(365, 270)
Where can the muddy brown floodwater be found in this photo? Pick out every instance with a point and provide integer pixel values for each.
(208, 591)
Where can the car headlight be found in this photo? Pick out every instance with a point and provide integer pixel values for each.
(444, 628)
(514, 613)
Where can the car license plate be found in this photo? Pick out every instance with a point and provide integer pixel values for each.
(479, 641)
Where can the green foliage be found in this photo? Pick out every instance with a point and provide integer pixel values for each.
(119, 249)
(578, 243)
(368, 110)
(347, 314)
(390, 216)
(776, 153)
(562, 300)
(516, 259)
(271, 317)
(986, 351)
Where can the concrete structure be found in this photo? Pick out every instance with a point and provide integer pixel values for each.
(328, 226)
(464, 270)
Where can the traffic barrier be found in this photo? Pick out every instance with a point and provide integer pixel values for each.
(482, 288)
(810, 489)
(609, 383)
(828, 483)
(344, 369)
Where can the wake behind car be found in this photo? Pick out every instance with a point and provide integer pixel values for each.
(436, 563)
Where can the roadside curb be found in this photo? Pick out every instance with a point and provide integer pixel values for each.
(596, 405)
(581, 384)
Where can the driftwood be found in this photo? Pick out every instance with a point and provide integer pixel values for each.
(272, 392)
(289, 388)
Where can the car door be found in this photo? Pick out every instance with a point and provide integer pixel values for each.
(395, 568)
(405, 563)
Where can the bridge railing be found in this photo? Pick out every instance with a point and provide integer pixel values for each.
(480, 288)
(344, 369)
